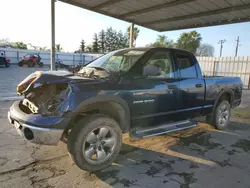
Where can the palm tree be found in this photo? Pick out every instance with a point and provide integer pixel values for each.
(136, 33)
(163, 41)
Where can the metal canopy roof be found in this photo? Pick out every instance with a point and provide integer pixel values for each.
(167, 15)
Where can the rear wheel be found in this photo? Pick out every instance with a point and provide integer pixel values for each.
(94, 142)
(7, 64)
(40, 64)
(221, 116)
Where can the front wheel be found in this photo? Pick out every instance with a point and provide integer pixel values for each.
(20, 63)
(94, 142)
(221, 115)
(7, 64)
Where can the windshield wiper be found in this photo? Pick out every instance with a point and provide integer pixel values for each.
(101, 68)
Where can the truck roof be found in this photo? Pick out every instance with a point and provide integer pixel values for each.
(150, 48)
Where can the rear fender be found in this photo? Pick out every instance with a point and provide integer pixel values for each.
(222, 92)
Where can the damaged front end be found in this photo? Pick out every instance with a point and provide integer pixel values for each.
(44, 94)
(40, 116)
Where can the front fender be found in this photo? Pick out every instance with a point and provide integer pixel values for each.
(125, 119)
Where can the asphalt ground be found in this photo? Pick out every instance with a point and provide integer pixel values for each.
(199, 157)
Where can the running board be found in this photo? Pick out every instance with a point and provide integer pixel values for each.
(161, 129)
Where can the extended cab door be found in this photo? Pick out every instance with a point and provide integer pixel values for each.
(191, 85)
(154, 97)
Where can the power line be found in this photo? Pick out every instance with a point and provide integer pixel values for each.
(237, 46)
(221, 42)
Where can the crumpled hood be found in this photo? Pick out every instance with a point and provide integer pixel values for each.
(47, 77)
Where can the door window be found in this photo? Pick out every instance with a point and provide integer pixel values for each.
(186, 67)
(163, 62)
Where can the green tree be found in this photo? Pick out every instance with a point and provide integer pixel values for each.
(95, 45)
(205, 50)
(115, 40)
(82, 46)
(43, 48)
(162, 41)
(122, 40)
(136, 34)
(189, 41)
(101, 41)
(110, 39)
(32, 46)
(89, 48)
(20, 45)
(5, 41)
(58, 48)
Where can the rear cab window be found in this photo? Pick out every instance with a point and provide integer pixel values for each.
(186, 65)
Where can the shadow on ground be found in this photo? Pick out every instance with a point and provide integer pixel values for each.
(184, 159)
(197, 157)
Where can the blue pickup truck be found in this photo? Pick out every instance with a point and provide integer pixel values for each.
(140, 91)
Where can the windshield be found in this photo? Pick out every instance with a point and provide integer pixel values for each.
(121, 60)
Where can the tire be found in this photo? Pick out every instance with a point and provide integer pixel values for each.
(7, 65)
(30, 64)
(40, 64)
(20, 64)
(86, 132)
(220, 118)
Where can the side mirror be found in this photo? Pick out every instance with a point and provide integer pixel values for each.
(151, 70)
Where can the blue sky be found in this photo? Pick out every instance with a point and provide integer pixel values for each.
(29, 21)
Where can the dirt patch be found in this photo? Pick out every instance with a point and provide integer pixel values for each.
(241, 113)
(113, 175)
(224, 163)
(199, 142)
(157, 166)
(232, 152)
(187, 177)
(193, 165)
(242, 144)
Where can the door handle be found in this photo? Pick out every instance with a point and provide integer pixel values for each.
(198, 85)
(172, 87)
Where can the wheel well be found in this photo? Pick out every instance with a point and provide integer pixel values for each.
(225, 96)
(112, 109)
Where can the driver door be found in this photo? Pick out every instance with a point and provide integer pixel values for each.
(154, 97)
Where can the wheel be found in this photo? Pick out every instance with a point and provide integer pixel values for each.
(30, 64)
(221, 115)
(20, 64)
(40, 64)
(94, 142)
(7, 64)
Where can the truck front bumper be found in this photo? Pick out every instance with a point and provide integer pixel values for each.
(35, 127)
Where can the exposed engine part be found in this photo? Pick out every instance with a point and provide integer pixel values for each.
(45, 99)
(33, 108)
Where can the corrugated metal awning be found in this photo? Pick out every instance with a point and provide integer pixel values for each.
(167, 15)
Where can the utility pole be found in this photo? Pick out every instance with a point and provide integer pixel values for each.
(221, 42)
(52, 50)
(131, 38)
(237, 46)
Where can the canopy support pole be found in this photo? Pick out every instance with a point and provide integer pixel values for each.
(52, 50)
(131, 38)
